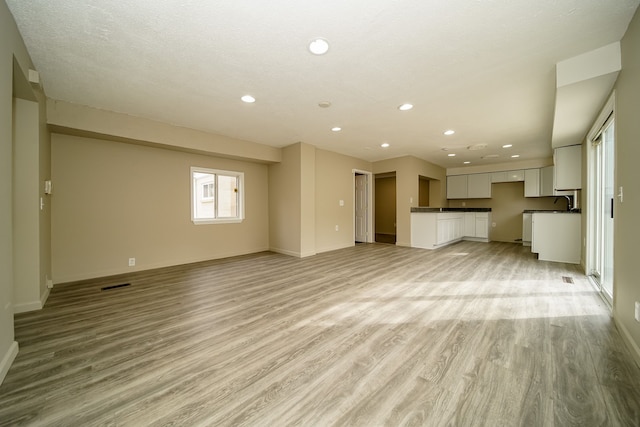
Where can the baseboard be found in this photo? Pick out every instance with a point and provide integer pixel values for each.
(44, 297)
(286, 252)
(32, 305)
(626, 336)
(8, 359)
(334, 248)
(27, 306)
(152, 266)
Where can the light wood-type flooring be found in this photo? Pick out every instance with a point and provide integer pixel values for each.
(473, 334)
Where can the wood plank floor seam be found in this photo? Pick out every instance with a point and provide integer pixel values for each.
(467, 335)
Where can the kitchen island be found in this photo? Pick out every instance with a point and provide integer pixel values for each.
(432, 228)
(556, 235)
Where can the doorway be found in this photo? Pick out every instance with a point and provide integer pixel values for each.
(601, 193)
(386, 208)
(362, 212)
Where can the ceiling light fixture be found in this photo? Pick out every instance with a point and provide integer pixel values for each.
(319, 46)
(515, 156)
(466, 163)
(405, 107)
(451, 154)
(384, 145)
(507, 146)
(248, 99)
(336, 129)
(324, 104)
(449, 132)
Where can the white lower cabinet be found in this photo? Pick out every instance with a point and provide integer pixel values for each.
(482, 225)
(526, 229)
(431, 230)
(556, 236)
(469, 224)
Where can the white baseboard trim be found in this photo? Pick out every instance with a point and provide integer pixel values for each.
(27, 306)
(335, 247)
(152, 266)
(626, 336)
(7, 360)
(32, 305)
(286, 252)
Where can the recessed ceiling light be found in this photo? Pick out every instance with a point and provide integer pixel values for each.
(466, 163)
(515, 156)
(336, 129)
(476, 147)
(405, 107)
(449, 132)
(507, 146)
(490, 156)
(319, 46)
(451, 154)
(248, 99)
(384, 145)
(324, 104)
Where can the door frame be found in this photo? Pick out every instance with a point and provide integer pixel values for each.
(590, 199)
(369, 196)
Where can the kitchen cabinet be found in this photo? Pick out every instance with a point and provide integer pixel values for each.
(540, 183)
(507, 176)
(567, 163)
(526, 229)
(515, 175)
(469, 224)
(532, 183)
(476, 226)
(556, 236)
(546, 181)
(457, 187)
(433, 230)
(474, 186)
(479, 186)
(482, 225)
(498, 177)
(449, 228)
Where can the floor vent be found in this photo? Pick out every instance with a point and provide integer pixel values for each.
(108, 288)
(567, 279)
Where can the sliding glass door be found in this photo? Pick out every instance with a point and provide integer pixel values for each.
(603, 202)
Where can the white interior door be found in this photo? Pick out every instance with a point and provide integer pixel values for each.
(361, 203)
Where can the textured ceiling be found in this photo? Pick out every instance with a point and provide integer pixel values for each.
(483, 68)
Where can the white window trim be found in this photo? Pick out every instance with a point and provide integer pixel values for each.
(199, 221)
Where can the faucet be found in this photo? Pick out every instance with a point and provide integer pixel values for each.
(569, 202)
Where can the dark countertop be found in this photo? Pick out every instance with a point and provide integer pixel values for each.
(576, 211)
(433, 210)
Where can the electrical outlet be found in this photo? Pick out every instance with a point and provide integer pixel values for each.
(637, 311)
(132, 262)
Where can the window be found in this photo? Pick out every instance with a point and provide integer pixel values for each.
(216, 196)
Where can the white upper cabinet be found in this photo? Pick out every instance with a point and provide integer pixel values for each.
(568, 167)
(507, 176)
(514, 176)
(457, 187)
(479, 186)
(546, 181)
(532, 183)
(498, 177)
